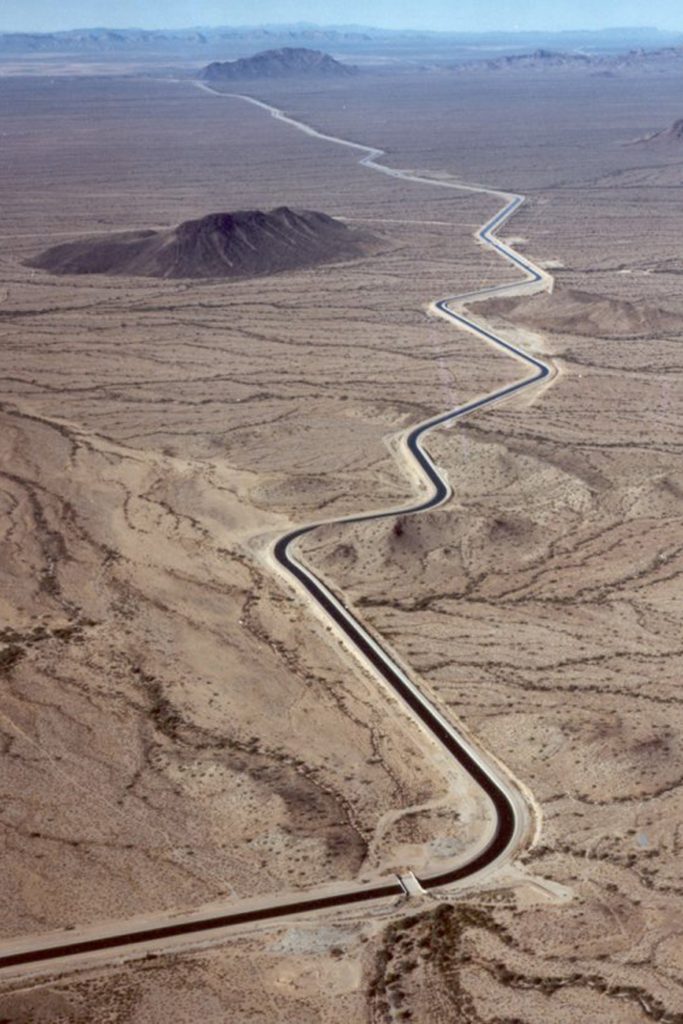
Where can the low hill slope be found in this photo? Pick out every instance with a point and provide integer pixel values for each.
(248, 243)
(289, 62)
(571, 311)
(673, 136)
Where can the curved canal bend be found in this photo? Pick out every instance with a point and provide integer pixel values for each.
(509, 805)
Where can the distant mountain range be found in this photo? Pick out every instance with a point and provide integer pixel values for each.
(231, 42)
(98, 39)
(288, 62)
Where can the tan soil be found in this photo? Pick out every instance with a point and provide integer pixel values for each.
(175, 430)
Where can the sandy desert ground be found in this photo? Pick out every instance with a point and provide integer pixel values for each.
(177, 727)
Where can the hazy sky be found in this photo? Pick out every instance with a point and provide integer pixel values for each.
(475, 15)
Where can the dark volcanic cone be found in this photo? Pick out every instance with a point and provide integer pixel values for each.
(288, 62)
(248, 243)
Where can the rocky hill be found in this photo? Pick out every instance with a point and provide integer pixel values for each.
(289, 62)
(248, 243)
(537, 60)
(665, 60)
(584, 314)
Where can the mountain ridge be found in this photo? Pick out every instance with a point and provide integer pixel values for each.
(651, 61)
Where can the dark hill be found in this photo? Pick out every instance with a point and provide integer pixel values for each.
(247, 243)
(289, 62)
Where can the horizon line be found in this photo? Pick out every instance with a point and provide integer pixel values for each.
(336, 26)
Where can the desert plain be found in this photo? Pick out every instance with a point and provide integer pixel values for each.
(179, 727)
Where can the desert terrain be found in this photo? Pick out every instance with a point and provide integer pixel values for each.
(179, 729)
